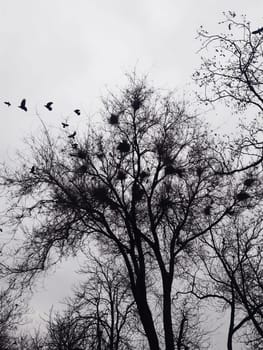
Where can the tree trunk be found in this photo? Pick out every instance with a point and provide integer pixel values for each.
(232, 322)
(167, 316)
(146, 315)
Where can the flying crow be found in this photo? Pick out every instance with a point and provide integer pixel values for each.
(77, 111)
(23, 105)
(7, 103)
(49, 106)
(72, 136)
(64, 125)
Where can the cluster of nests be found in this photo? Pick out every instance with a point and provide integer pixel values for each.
(101, 195)
(241, 196)
(136, 104)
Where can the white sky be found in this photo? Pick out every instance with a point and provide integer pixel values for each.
(70, 51)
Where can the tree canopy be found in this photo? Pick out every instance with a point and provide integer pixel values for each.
(151, 189)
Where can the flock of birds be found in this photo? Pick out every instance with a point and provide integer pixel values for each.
(48, 106)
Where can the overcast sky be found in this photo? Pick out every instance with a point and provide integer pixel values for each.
(70, 52)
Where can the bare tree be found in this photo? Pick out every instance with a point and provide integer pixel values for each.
(11, 311)
(103, 304)
(231, 69)
(145, 188)
(232, 269)
(231, 72)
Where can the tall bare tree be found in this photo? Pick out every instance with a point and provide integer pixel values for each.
(145, 186)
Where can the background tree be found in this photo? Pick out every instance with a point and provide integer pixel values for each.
(12, 309)
(102, 309)
(232, 269)
(231, 72)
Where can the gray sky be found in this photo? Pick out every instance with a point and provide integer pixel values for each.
(70, 52)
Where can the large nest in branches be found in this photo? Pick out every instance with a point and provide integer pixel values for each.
(123, 147)
(114, 119)
(137, 192)
(207, 210)
(121, 175)
(144, 174)
(82, 169)
(242, 196)
(249, 182)
(165, 203)
(100, 194)
(136, 103)
(172, 170)
(79, 154)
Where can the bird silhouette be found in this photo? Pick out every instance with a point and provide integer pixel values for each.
(72, 136)
(49, 106)
(258, 31)
(77, 111)
(23, 105)
(64, 125)
(7, 103)
(32, 170)
(1, 230)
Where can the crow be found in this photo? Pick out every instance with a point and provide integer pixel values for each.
(7, 103)
(23, 105)
(32, 171)
(64, 125)
(72, 136)
(258, 31)
(77, 111)
(49, 106)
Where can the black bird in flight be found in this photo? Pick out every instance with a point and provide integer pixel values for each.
(64, 125)
(72, 136)
(7, 103)
(77, 111)
(49, 106)
(23, 105)
(258, 31)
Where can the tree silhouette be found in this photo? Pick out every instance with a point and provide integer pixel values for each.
(101, 315)
(231, 72)
(12, 308)
(144, 195)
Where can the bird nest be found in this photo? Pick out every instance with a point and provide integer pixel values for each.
(242, 196)
(100, 194)
(114, 119)
(123, 147)
(172, 170)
